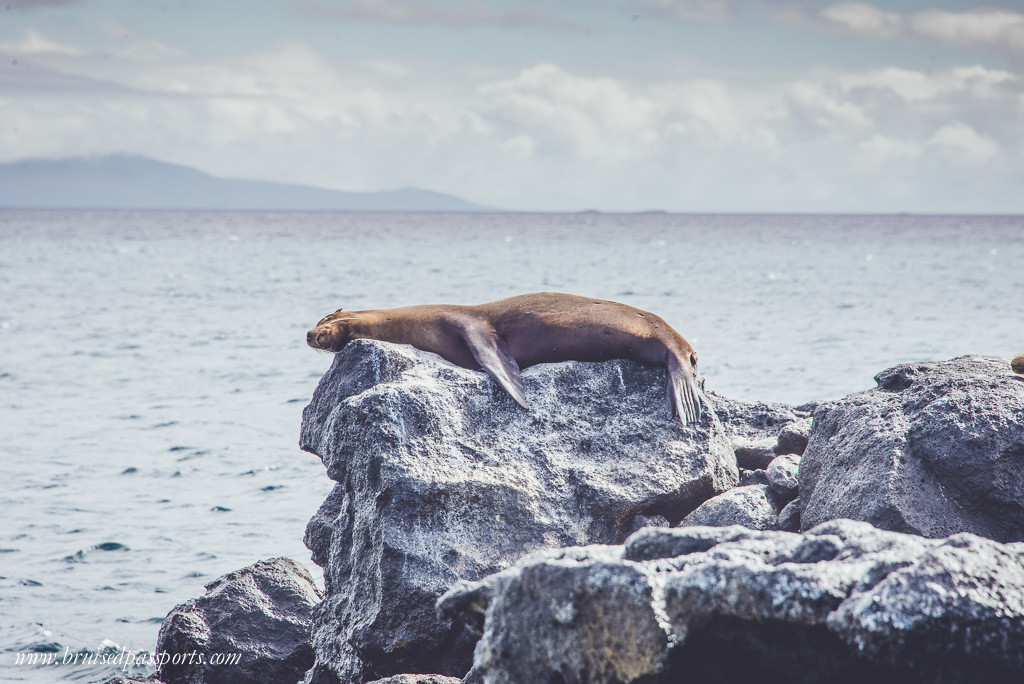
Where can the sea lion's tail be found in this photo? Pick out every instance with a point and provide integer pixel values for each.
(682, 392)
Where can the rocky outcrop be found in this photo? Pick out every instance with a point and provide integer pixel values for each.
(936, 448)
(261, 613)
(442, 477)
(843, 602)
(551, 530)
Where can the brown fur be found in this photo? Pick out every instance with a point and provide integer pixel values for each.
(1018, 364)
(509, 334)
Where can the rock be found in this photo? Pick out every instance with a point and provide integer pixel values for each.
(754, 454)
(789, 516)
(753, 421)
(752, 477)
(417, 679)
(442, 477)
(761, 431)
(935, 449)
(261, 612)
(592, 603)
(782, 475)
(843, 602)
(642, 521)
(133, 680)
(793, 438)
(752, 507)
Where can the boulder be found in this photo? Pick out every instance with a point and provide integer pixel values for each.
(752, 477)
(760, 431)
(443, 477)
(753, 421)
(260, 613)
(754, 454)
(934, 449)
(793, 438)
(789, 516)
(752, 507)
(782, 476)
(843, 602)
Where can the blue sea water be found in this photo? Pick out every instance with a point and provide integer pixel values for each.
(153, 367)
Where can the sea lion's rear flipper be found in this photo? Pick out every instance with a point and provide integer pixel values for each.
(491, 352)
(682, 392)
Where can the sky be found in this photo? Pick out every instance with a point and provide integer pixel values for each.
(556, 105)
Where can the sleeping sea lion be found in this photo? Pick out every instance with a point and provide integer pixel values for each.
(1018, 363)
(507, 335)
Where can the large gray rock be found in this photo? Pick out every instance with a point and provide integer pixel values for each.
(754, 454)
(936, 448)
(760, 431)
(789, 516)
(261, 613)
(754, 421)
(753, 507)
(442, 476)
(794, 437)
(844, 603)
(783, 475)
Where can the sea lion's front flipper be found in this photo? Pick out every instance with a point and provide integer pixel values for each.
(682, 390)
(491, 352)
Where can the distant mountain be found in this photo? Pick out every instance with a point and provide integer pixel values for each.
(130, 182)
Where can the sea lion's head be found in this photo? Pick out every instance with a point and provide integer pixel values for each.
(332, 333)
(1018, 364)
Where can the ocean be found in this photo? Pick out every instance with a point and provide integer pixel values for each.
(153, 365)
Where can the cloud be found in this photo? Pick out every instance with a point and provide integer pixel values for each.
(864, 20)
(34, 43)
(986, 28)
(962, 138)
(34, 4)
(467, 13)
(700, 11)
(541, 137)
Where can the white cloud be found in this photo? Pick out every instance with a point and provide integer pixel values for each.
(461, 14)
(914, 86)
(32, 4)
(544, 137)
(961, 137)
(34, 43)
(864, 20)
(983, 27)
(689, 10)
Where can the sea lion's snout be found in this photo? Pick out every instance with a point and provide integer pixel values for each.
(321, 337)
(330, 337)
(1018, 364)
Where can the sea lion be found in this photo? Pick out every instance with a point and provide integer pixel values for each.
(507, 335)
(1018, 363)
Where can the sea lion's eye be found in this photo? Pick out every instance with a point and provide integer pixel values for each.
(693, 359)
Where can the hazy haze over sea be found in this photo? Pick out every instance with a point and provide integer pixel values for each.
(153, 367)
